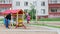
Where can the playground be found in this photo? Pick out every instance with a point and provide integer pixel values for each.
(19, 25)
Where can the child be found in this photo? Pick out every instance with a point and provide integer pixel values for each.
(7, 20)
(6, 23)
(28, 18)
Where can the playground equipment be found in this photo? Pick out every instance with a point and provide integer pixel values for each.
(19, 17)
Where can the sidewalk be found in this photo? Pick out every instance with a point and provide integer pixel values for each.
(29, 30)
(53, 29)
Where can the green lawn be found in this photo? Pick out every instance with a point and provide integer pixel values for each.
(1, 19)
(49, 19)
(46, 25)
(42, 19)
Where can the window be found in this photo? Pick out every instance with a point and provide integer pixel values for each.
(34, 3)
(53, 10)
(43, 11)
(42, 3)
(2, 1)
(10, 1)
(17, 3)
(25, 3)
(5, 1)
(53, 1)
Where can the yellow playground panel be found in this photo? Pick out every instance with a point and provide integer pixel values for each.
(20, 18)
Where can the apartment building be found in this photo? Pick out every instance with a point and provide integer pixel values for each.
(41, 6)
(5, 5)
(54, 8)
(44, 8)
(22, 4)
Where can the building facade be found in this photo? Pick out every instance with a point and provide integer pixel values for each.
(44, 8)
(22, 4)
(5, 5)
(54, 8)
(41, 6)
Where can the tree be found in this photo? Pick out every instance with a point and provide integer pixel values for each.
(32, 11)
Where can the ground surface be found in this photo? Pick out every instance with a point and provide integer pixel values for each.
(29, 30)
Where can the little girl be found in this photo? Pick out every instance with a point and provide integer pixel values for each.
(28, 18)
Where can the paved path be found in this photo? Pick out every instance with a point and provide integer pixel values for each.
(29, 30)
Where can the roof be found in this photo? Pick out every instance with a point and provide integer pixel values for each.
(13, 11)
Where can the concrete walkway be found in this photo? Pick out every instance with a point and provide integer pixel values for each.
(53, 29)
(26, 32)
(29, 30)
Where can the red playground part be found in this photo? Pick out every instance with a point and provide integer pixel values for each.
(21, 26)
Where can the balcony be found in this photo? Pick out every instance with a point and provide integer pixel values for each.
(5, 5)
(54, 5)
(54, 13)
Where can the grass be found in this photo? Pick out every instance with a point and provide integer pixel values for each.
(49, 19)
(42, 19)
(1, 19)
(46, 25)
